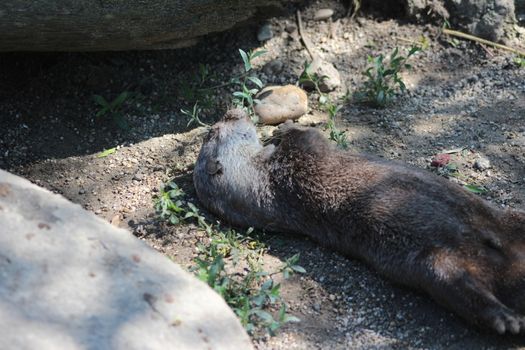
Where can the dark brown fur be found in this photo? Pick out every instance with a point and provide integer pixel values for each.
(413, 227)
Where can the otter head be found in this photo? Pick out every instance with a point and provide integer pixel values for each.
(225, 171)
(232, 139)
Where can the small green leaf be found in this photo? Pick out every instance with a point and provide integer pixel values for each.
(394, 53)
(246, 61)
(239, 94)
(192, 207)
(520, 61)
(380, 97)
(100, 100)
(298, 268)
(257, 54)
(476, 189)
(290, 318)
(267, 284)
(106, 152)
(259, 300)
(119, 100)
(256, 81)
(413, 50)
(102, 111)
(452, 167)
(265, 316)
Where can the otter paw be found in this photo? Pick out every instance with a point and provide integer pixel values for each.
(505, 320)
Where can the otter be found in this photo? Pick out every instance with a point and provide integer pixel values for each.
(413, 227)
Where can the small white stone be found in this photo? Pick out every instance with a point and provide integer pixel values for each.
(482, 164)
(323, 14)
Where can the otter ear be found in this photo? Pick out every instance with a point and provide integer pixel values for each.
(213, 166)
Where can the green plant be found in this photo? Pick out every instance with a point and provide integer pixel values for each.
(252, 294)
(309, 78)
(383, 79)
(336, 135)
(475, 189)
(195, 89)
(194, 115)
(113, 108)
(107, 152)
(451, 41)
(452, 170)
(168, 204)
(245, 98)
(519, 61)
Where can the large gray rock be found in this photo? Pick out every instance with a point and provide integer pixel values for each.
(69, 280)
(89, 25)
(489, 19)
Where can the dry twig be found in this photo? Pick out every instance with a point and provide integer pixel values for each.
(306, 41)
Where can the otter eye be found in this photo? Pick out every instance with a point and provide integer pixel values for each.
(213, 167)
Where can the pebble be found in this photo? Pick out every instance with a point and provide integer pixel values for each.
(314, 118)
(482, 164)
(325, 69)
(273, 67)
(138, 177)
(323, 14)
(440, 160)
(280, 103)
(290, 28)
(265, 32)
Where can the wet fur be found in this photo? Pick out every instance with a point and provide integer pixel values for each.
(413, 227)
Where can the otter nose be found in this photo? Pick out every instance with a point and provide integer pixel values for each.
(235, 114)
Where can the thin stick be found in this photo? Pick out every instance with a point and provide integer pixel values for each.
(307, 43)
(490, 53)
(408, 41)
(483, 41)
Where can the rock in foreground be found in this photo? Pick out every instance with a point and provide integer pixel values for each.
(69, 280)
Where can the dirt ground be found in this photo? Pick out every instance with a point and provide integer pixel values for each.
(461, 96)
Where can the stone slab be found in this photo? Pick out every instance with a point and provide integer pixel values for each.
(69, 280)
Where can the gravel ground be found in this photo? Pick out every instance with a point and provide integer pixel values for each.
(460, 96)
